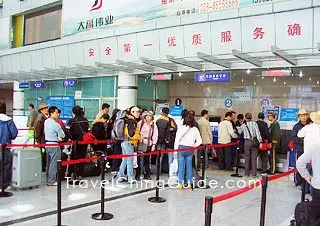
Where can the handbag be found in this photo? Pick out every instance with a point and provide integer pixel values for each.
(255, 141)
(265, 146)
(142, 147)
(86, 137)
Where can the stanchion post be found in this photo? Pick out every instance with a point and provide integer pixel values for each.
(303, 190)
(208, 210)
(237, 164)
(102, 215)
(263, 199)
(59, 209)
(203, 184)
(3, 193)
(157, 199)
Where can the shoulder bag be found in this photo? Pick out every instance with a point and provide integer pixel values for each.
(255, 141)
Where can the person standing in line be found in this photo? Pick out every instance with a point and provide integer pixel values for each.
(206, 134)
(265, 135)
(225, 132)
(76, 128)
(187, 136)
(53, 134)
(275, 134)
(31, 122)
(39, 132)
(312, 154)
(250, 131)
(149, 136)
(105, 109)
(167, 131)
(8, 132)
(116, 147)
(298, 141)
(132, 137)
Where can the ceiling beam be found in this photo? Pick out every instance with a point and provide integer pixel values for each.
(187, 63)
(114, 67)
(135, 66)
(283, 55)
(214, 60)
(246, 57)
(155, 63)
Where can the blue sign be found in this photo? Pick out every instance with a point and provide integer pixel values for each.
(176, 110)
(69, 83)
(64, 103)
(214, 76)
(24, 85)
(265, 102)
(289, 114)
(273, 109)
(38, 85)
(228, 103)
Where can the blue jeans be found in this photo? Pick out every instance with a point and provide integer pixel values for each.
(127, 163)
(53, 155)
(170, 155)
(185, 162)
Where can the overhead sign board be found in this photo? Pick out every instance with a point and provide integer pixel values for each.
(24, 85)
(161, 77)
(69, 83)
(215, 76)
(38, 85)
(101, 14)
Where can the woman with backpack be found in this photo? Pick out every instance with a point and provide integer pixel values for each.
(149, 138)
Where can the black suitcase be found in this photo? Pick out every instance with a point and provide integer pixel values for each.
(301, 213)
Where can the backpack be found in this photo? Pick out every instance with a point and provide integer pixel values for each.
(86, 137)
(117, 132)
(301, 213)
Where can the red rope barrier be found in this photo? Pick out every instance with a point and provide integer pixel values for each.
(236, 192)
(120, 156)
(250, 187)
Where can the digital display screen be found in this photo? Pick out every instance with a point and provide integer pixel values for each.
(69, 83)
(42, 26)
(38, 85)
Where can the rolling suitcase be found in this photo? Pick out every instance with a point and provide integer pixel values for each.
(26, 168)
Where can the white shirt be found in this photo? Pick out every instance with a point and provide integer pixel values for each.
(311, 135)
(225, 132)
(191, 137)
(312, 155)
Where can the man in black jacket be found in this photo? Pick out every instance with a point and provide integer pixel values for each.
(298, 142)
(167, 129)
(265, 135)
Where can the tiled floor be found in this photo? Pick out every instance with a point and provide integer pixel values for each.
(181, 208)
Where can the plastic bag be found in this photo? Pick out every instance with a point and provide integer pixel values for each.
(135, 161)
(173, 170)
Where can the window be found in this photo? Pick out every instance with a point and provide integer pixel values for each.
(42, 26)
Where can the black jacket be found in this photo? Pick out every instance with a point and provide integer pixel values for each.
(75, 132)
(167, 129)
(298, 142)
(264, 131)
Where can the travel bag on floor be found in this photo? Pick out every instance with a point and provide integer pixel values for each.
(26, 168)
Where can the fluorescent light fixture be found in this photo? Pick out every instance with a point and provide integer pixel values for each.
(248, 71)
(180, 74)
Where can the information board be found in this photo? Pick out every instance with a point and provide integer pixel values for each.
(64, 103)
(273, 109)
(214, 76)
(289, 114)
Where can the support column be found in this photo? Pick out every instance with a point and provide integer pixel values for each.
(18, 100)
(127, 90)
